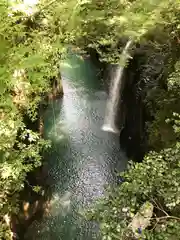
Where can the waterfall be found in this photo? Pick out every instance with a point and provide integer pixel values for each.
(112, 104)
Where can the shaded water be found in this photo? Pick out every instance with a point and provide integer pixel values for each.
(83, 158)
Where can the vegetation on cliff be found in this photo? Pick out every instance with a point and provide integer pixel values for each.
(28, 63)
(30, 47)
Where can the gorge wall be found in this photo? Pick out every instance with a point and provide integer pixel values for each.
(143, 72)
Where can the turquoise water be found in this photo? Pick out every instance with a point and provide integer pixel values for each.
(83, 158)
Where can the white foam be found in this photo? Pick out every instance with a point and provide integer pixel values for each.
(109, 128)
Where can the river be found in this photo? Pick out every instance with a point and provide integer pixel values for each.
(83, 158)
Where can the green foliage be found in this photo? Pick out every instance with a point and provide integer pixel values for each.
(28, 60)
(37, 189)
(164, 130)
(102, 25)
(31, 45)
(157, 180)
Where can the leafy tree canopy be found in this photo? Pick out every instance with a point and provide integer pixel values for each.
(28, 62)
(31, 42)
(104, 23)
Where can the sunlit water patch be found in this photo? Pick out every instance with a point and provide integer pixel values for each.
(82, 161)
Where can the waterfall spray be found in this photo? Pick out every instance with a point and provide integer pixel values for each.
(112, 104)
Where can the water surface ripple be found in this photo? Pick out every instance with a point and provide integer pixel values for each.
(82, 161)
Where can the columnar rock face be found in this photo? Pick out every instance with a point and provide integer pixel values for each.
(133, 112)
(143, 72)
